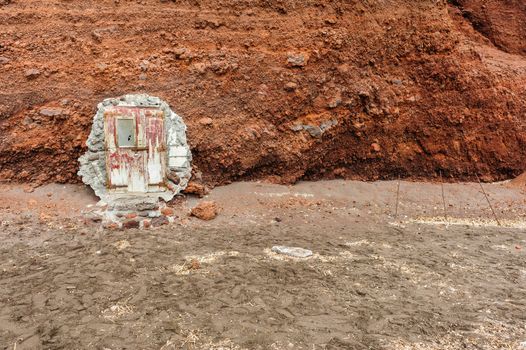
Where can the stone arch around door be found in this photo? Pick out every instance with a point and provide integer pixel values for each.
(118, 133)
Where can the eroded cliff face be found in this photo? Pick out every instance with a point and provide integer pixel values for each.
(503, 23)
(273, 90)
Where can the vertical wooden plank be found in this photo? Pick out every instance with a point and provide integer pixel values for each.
(155, 138)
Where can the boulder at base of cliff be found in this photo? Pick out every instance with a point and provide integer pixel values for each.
(196, 188)
(206, 210)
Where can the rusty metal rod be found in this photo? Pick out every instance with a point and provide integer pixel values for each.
(487, 199)
(397, 196)
(443, 197)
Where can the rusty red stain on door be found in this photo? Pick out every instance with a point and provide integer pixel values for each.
(135, 148)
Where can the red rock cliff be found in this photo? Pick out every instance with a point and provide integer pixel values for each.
(276, 90)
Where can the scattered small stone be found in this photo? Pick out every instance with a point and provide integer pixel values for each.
(291, 86)
(295, 252)
(111, 226)
(167, 211)
(98, 33)
(51, 111)
(154, 214)
(221, 67)
(131, 224)
(27, 120)
(210, 23)
(206, 210)
(297, 60)
(335, 101)
(376, 147)
(326, 125)
(314, 131)
(121, 245)
(196, 188)
(144, 65)
(97, 36)
(146, 223)
(160, 221)
(206, 121)
(194, 265)
(360, 292)
(131, 215)
(179, 52)
(147, 206)
(92, 218)
(101, 66)
(4, 60)
(331, 20)
(277, 219)
(296, 127)
(32, 73)
(200, 68)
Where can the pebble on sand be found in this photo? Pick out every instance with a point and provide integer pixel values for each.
(295, 252)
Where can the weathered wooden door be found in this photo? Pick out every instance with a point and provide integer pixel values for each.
(135, 146)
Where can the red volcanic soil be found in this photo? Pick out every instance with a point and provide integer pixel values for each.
(519, 182)
(273, 90)
(502, 22)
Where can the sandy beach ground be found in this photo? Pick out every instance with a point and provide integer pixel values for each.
(431, 272)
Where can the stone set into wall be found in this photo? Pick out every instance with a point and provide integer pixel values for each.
(143, 219)
(140, 215)
(179, 158)
(128, 209)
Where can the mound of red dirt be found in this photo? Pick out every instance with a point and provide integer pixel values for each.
(274, 90)
(518, 182)
(502, 22)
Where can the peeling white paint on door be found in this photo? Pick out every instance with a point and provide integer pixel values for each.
(137, 181)
(156, 150)
(153, 158)
(155, 168)
(134, 151)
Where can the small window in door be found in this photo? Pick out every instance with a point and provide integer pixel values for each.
(125, 132)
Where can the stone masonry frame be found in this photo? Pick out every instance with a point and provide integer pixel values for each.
(93, 162)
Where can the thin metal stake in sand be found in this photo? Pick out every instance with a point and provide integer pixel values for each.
(443, 198)
(487, 199)
(397, 196)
